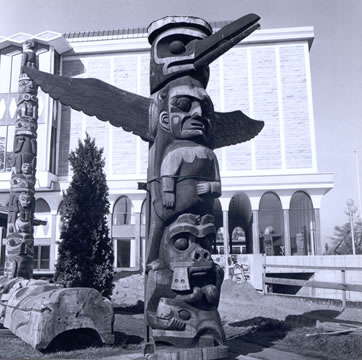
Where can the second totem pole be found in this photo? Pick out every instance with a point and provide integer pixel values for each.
(20, 238)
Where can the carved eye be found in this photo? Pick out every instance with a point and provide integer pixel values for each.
(184, 104)
(177, 47)
(181, 243)
(207, 106)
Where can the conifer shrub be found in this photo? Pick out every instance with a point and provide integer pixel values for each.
(85, 253)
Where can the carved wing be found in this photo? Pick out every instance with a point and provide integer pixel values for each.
(234, 127)
(97, 98)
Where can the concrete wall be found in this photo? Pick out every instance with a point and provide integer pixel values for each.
(269, 82)
(352, 276)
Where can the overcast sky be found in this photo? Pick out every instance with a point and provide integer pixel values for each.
(336, 61)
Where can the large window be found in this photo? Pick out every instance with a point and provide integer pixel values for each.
(271, 225)
(41, 259)
(302, 224)
(240, 224)
(123, 230)
(122, 211)
(123, 253)
(9, 82)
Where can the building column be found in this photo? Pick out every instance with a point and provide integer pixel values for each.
(318, 246)
(110, 227)
(256, 240)
(137, 235)
(225, 218)
(287, 245)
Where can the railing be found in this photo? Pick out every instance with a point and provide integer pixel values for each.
(8, 107)
(343, 286)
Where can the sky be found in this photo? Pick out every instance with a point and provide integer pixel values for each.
(336, 62)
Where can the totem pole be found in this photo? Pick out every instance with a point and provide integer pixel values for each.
(183, 283)
(20, 239)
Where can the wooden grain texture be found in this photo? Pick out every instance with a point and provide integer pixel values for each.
(37, 312)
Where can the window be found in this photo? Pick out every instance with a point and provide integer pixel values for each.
(123, 253)
(9, 82)
(271, 225)
(302, 224)
(122, 211)
(41, 259)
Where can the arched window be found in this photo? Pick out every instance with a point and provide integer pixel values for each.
(122, 211)
(271, 225)
(302, 224)
(41, 206)
(240, 220)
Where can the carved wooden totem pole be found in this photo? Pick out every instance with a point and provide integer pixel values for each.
(20, 239)
(183, 283)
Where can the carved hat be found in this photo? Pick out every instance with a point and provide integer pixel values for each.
(173, 40)
(185, 45)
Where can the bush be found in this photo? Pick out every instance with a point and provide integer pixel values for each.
(85, 255)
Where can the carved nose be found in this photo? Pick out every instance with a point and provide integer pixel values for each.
(201, 255)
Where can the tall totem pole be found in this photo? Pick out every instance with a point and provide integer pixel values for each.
(20, 239)
(183, 283)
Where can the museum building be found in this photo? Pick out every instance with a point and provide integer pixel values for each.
(271, 187)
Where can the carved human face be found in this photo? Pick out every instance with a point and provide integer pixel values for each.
(26, 86)
(190, 113)
(26, 168)
(25, 199)
(25, 126)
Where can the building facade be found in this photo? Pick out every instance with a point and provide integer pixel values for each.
(271, 187)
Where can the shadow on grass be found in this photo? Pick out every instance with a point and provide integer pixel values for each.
(138, 308)
(264, 332)
(80, 339)
(124, 340)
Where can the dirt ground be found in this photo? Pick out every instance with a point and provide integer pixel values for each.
(254, 322)
(238, 302)
(256, 327)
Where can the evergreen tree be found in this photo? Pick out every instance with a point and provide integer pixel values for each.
(341, 243)
(85, 256)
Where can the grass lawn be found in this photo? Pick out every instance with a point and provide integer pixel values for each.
(286, 337)
(14, 348)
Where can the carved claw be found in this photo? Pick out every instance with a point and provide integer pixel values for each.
(166, 324)
(168, 200)
(203, 188)
(196, 296)
(171, 324)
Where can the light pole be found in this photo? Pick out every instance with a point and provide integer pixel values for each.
(350, 212)
(358, 180)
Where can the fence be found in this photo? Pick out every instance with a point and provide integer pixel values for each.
(343, 286)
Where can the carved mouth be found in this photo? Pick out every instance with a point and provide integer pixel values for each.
(192, 124)
(200, 269)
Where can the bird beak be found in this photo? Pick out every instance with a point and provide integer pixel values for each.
(209, 49)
